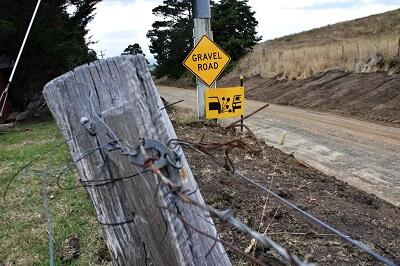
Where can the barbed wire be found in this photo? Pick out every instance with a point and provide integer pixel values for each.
(227, 165)
(225, 216)
(206, 148)
(200, 148)
(35, 159)
(58, 145)
(171, 104)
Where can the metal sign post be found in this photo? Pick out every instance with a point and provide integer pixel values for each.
(241, 117)
(202, 26)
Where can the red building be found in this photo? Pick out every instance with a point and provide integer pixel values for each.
(5, 71)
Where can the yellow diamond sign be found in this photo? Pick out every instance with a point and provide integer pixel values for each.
(207, 60)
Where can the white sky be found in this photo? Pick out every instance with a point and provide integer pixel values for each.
(119, 23)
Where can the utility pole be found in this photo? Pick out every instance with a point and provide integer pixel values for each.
(102, 54)
(202, 26)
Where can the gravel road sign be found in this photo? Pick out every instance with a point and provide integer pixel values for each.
(207, 60)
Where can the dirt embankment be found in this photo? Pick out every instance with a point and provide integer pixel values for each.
(369, 96)
(356, 213)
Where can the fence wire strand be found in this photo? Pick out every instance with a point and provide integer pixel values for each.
(46, 176)
(207, 149)
(224, 216)
(200, 148)
(35, 159)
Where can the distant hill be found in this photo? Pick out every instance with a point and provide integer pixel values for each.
(361, 45)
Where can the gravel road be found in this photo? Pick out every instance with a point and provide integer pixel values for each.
(363, 154)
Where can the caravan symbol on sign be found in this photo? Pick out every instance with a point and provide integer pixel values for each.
(206, 60)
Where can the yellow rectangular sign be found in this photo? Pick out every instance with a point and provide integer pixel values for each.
(224, 102)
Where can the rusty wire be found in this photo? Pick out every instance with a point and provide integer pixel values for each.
(224, 216)
(226, 164)
(205, 148)
(247, 116)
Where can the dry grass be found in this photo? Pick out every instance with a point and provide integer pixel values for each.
(182, 116)
(340, 46)
(306, 60)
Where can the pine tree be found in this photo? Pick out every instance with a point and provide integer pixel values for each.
(133, 49)
(233, 24)
(234, 27)
(171, 37)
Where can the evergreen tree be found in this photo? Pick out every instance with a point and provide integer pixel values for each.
(171, 37)
(55, 45)
(233, 25)
(133, 49)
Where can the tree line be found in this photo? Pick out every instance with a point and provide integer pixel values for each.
(58, 41)
(232, 22)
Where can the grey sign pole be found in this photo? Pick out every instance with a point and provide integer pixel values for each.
(202, 26)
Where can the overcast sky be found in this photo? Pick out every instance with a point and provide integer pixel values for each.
(119, 23)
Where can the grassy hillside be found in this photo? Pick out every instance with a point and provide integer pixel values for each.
(347, 45)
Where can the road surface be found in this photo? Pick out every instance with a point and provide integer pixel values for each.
(363, 154)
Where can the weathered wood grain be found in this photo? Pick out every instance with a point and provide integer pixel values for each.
(124, 94)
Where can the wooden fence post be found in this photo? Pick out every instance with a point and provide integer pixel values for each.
(398, 48)
(342, 52)
(136, 230)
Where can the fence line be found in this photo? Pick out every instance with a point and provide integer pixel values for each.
(177, 191)
(306, 60)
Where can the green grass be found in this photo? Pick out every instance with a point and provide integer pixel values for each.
(23, 235)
